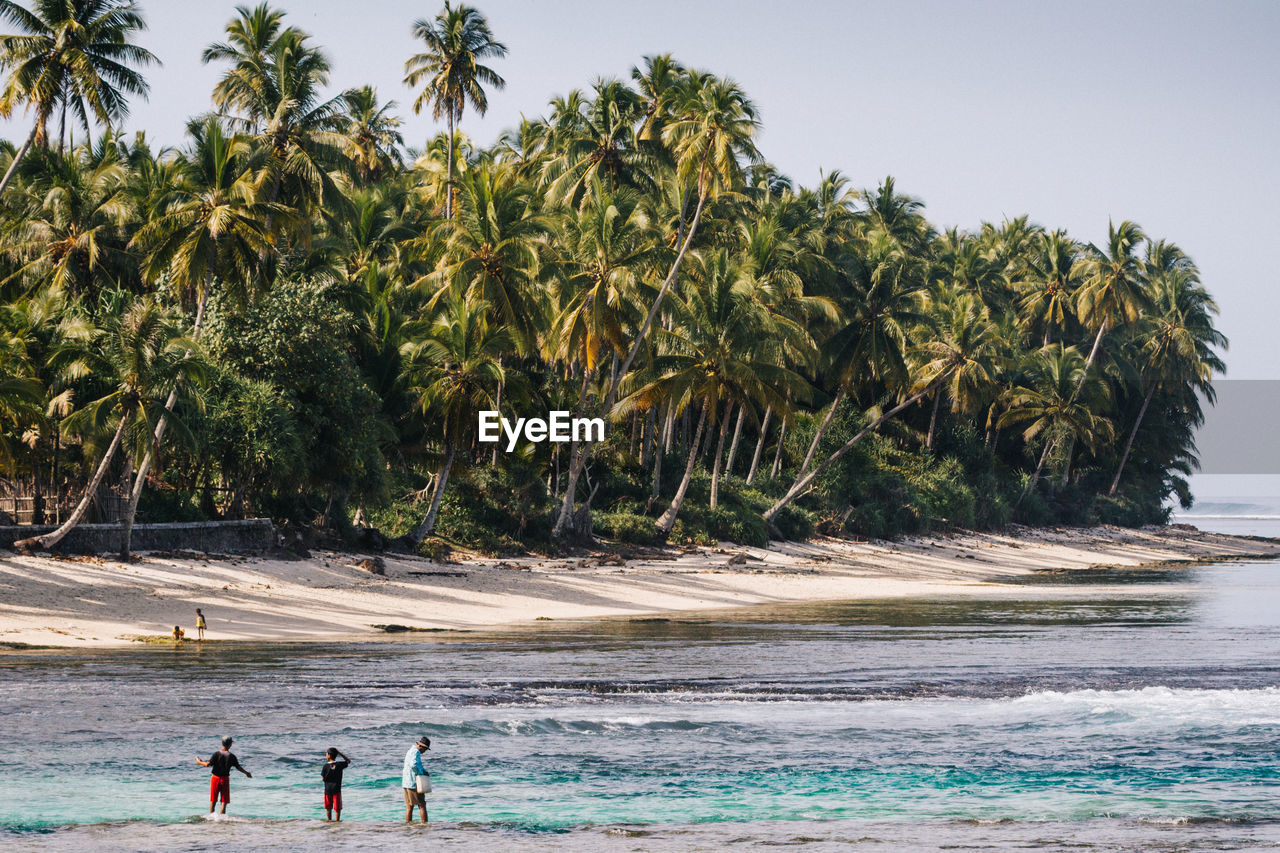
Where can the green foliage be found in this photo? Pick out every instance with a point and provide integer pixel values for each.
(627, 527)
(630, 255)
(291, 350)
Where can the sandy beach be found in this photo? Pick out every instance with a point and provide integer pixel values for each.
(85, 602)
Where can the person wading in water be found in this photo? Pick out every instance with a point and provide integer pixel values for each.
(220, 781)
(414, 797)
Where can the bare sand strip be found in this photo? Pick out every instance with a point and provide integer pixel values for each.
(90, 602)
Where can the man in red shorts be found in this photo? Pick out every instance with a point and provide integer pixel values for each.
(220, 782)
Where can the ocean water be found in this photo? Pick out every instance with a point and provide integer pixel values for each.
(1145, 716)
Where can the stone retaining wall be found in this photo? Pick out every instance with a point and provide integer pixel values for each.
(253, 534)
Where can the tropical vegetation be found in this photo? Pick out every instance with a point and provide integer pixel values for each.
(291, 313)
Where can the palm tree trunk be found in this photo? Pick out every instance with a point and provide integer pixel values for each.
(715, 468)
(448, 187)
(802, 485)
(1093, 355)
(442, 479)
(1035, 477)
(933, 420)
(657, 475)
(52, 538)
(822, 429)
(755, 457)
(17, 157)
(144, 468)
(577, 461)
(1066, 469)
(497, 405)
(668, 427)
(1128, 445)
(647, 445)
(733, 445)
(668, 519)
(662, 292)
(777, 453)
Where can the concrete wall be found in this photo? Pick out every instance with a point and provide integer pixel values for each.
(254, 534)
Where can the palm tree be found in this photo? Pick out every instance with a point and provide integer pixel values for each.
(882, 301)
(1060, 400)
(491, 247)
(659, 84)
(273, 91)
(456, 371)
(1112, 291)
(597, 140)
(72, 54)
(711, 133)
(965, 347)
(139, 354)
(211, 228)
(373, 136)
(718, 352)
(1178, 339)
(965, 328)
(252, 37)
(1048, 283)
(451, 72)
(72, 226)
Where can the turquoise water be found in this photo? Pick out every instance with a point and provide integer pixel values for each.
(1145, 716)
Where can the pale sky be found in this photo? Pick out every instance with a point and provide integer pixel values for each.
(1074, 112)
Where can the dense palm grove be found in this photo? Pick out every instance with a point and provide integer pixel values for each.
(292, 314)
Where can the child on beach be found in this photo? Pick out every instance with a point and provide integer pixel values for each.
(178, 634)
(199, 624)
(220, 781)
(331, 773)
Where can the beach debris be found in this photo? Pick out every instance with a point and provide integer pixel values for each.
(737, 560)
(373, 565)
(438, 574)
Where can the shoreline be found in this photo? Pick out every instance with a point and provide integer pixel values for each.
(93, 602)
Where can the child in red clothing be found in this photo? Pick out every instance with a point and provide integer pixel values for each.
(331, 773)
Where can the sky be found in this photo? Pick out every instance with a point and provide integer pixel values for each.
(1074, 112)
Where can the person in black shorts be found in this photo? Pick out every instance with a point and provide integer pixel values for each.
(220, 781)
(331, 773)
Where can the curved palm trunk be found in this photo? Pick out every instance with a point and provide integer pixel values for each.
(715, 468)
(822, 429)
(578, 454)
(52, 538)
(668, 519)
(1128, 445)
(144, 467)
(802, 485)
(777, 451)
(442, 479)
(733, 445)
(933, 420)
(1093, 356)
(759, 445)
(18, 155)
(755, 457)
(1035, 478)
(662, 293)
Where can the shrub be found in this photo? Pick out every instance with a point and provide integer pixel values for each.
(632, 528)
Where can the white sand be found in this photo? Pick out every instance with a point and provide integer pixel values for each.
(86, 602)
